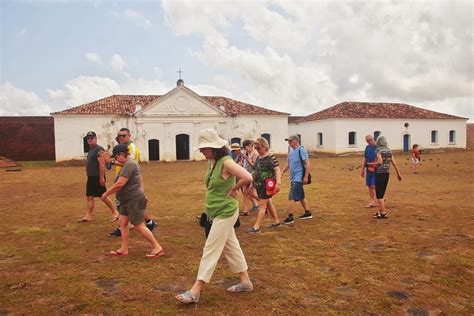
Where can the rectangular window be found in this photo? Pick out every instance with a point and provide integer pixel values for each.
(320, 139)
(352, 138)
(452, 137)
(299, 136)
(377, 134)
(434, 137)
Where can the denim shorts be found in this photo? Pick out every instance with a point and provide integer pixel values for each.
(296, 191)
(370, 179)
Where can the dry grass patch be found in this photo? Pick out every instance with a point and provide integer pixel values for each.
(341, 262)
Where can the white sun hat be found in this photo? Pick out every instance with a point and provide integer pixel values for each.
(209, 138)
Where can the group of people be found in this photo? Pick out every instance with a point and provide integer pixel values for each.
(130, 202)
(376, 169)
(255, 157)
(249, 169)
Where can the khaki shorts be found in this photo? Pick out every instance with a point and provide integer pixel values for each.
(134, 209)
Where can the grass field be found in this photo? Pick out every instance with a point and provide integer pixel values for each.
(418, 262)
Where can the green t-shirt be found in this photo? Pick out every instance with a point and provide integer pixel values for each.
(218, 204)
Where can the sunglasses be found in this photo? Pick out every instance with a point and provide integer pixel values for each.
(90, 137)
(122, 135)
(257, 147)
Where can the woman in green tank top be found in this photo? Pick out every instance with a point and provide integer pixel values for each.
(222, 208)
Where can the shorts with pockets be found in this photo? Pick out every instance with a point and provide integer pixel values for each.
(296, 191)
(134, 209)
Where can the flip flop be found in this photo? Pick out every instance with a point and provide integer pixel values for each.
(114, 219)
(187, 297)
(114, 253)
(370, 206)
(82, 220)
(239, 288)
(244, 213)
(161, 253)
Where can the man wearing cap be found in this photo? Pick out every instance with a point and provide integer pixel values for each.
(298, 163)
(95, 169)
(129, 191)
(123, 137)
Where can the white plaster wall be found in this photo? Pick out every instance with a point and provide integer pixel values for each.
(309, 134)
(253, 126)
(245, 127)
(69, 131)
(393, 130)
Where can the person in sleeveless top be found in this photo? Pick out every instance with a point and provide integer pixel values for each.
(382, 172)
(222, 208)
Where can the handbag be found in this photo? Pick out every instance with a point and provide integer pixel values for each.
(304, 167)
(270, 184)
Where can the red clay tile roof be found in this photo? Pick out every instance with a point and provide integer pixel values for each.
(375, 110)
(294, 119)
(125, 104)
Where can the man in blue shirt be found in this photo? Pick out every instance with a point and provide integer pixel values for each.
(298, 161)
(369, 156)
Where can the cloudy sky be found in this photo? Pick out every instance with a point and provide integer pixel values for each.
(294, 56)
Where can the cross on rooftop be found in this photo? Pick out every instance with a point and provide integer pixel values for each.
(180, 72)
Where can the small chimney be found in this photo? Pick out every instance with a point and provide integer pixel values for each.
(180, 82)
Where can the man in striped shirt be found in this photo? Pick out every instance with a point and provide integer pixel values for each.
(133, 151)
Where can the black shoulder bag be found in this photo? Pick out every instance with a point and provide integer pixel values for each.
(304, 167)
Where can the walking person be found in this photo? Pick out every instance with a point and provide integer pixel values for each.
(222, 208)
(266, 173)
(369, 170)
(415, 157)
(250, 156)
(124, 137)
(95, 169)
(384, 159)
(236, 154)
(298, 163)
(129, 188)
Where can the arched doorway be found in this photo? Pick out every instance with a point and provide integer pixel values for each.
(182, 147)
(406, 143)
(153, 150)
(85, 145)
(268, 137)
(236, 140)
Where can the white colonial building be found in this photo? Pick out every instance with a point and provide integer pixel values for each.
(166, 127)
(342, 128)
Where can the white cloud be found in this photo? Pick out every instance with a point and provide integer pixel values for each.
(93, 57)
(117, 63)
(15, 101)
(136, 17)
(86, 89)
(307, 56)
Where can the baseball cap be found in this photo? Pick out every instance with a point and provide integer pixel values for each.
(91, 133)
(292, 137)
(120, 148)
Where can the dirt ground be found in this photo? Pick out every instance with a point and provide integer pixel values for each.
(342, 262)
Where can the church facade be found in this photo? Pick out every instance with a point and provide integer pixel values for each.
(166, 127)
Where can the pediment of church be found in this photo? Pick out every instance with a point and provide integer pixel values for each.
(181, 101)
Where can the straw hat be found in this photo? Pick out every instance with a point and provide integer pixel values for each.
(235, 146)
(208, 138)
